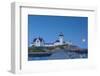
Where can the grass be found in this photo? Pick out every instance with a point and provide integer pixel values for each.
(35, 49)
(43, 49)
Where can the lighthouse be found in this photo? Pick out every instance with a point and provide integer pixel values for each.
(61, 38)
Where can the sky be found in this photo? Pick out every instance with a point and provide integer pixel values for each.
(75, 29)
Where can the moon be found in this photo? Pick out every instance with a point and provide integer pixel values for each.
(83, 40)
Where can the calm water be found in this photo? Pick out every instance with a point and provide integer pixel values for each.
(61, 54)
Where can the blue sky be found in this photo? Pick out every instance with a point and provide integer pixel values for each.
(75, 29)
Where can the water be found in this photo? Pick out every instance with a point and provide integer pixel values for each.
(61, 54)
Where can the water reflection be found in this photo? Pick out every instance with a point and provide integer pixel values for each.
(61, 54)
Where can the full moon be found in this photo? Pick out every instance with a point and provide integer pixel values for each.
(83, 40)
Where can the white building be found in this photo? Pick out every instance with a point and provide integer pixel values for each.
(40, 42)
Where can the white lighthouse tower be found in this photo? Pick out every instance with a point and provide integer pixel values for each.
(61, 38)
